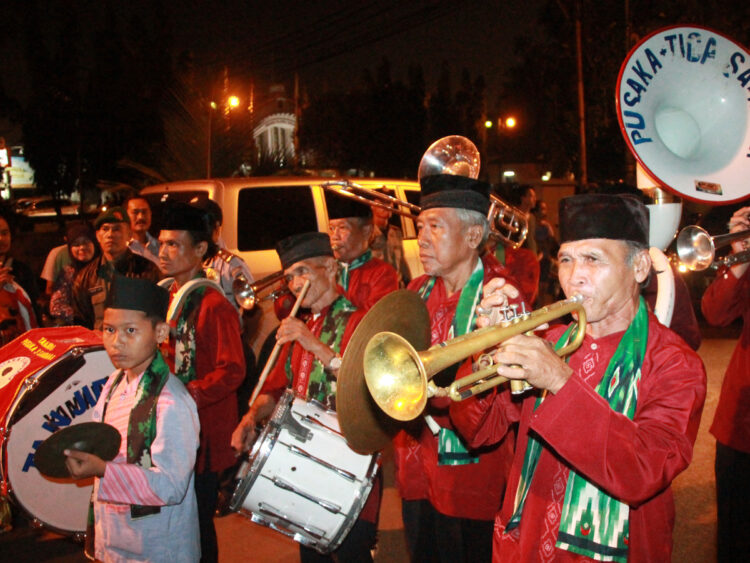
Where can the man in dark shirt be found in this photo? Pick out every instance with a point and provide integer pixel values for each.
(91, 285)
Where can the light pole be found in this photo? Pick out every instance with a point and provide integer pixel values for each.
(230, 103)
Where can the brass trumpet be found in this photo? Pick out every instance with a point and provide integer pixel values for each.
(246, 294)
(398, 377)
(697, 249)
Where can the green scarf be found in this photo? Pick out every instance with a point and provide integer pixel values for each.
(321, 385)
(183, 332)
(593, 523)
(141, 431)
(451, 448)
(346, 268)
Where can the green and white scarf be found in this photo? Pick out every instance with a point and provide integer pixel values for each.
(451, 449)
(345, 269)
(593, 523)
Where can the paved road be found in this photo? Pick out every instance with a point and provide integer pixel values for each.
(242, 541)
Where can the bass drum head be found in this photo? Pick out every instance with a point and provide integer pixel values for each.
(59, 395)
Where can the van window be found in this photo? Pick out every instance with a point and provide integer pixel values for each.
(267, 215)
(157, 201)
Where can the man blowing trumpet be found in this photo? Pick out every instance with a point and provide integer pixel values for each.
(609, 428)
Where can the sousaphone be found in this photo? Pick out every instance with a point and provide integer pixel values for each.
(683, 103)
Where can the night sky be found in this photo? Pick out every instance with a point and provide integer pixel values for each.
(327, 43)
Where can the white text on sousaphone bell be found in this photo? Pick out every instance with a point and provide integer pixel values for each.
(696, 47)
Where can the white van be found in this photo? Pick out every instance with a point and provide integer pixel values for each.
(259, 211)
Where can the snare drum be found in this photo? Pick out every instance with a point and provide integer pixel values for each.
(50, 378)
(303, 480)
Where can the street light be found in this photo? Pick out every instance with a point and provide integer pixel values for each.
(231, 102)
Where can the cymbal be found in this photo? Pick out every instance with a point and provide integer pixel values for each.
(365, 427)
(96, 438)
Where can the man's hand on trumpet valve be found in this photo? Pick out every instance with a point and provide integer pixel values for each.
(740, 221)
(496, 295)
(533, 359)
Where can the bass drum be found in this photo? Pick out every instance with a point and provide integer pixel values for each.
(303, 480)
(50, 378)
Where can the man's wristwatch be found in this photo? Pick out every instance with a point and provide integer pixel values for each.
(334, 364)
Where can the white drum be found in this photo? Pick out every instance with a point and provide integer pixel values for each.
(303, 480)
(48, 380)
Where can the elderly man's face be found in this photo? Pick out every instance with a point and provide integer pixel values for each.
(349, 238)
(598, 270)
(319, 271)
(443, 241)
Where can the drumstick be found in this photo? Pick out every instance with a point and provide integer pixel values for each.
(277, 347)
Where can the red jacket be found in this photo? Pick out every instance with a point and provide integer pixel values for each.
(464, 491)
(371, 281)
(632, 460)
(726, 299)
(220, 369)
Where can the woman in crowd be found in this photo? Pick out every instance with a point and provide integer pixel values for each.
(83, 248)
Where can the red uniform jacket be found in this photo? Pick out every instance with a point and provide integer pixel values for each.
(371, 281)
(632, 460)
(726, 299)
(220, 369)
(464, 491)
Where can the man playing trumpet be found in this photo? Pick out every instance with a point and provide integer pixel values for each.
(309, 361)
(610, 427)
(727, 298)
(450, 492)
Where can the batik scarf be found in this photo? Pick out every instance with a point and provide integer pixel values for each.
(329, 327)
(593, 523)
(182, 329)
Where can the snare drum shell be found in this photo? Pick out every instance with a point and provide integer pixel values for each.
(319, 467)
(36, 401)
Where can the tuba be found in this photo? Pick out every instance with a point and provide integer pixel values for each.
(683, 108)
(683, 111)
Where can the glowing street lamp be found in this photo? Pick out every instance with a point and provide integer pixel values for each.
(510, 122)
(231, 102)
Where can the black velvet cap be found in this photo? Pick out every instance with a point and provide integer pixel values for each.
(137, 294)
(294, 248)
(112, 215)
(618, 217)
(449, 190)
(343, 207)
(178, 216)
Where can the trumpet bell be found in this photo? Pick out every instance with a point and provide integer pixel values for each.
(244, 293)
(695, 247)
(395, 376)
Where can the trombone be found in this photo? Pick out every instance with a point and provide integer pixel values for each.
(448, 155)
(398, 376)
(373, 198)
(697, 249)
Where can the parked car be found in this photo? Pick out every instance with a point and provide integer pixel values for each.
(43, 207)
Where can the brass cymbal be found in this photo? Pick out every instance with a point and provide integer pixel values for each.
(365, 426)
(95, 438)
